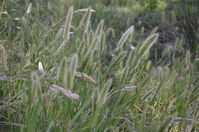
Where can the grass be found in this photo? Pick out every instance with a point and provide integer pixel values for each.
(190, 14)
(61, 73)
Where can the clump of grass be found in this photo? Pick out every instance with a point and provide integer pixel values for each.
(126, 94)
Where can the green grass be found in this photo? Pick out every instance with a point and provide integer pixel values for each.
(117, 88)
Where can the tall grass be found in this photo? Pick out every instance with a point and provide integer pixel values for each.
(189, 11)
(81, 88)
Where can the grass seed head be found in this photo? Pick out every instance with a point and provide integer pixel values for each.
(29, 8)
(129, 88)
(40, 66)
(68, 93)
(3, 58)
(84, 10)
(85, 77)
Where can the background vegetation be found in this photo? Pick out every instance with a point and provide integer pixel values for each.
(99, 65)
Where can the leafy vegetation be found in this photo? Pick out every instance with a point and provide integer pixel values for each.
(97, 66)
